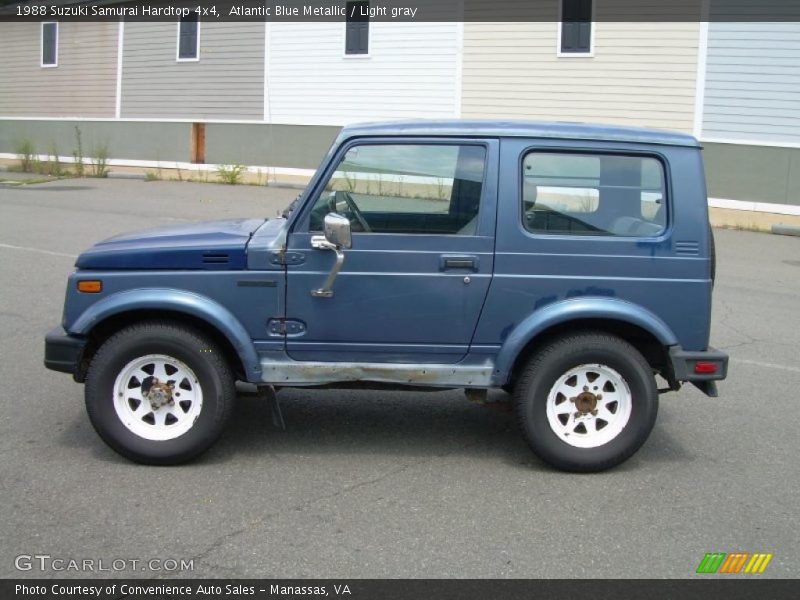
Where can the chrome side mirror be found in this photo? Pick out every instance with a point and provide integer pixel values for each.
(337, 230)
(337, 236)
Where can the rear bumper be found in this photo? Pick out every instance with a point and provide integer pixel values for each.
(63, 352)
(695, 367)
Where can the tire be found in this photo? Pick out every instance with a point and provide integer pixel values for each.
(123, 387)
(556, 426)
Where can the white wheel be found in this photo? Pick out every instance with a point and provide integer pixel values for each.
(589, 406)
(157, 397)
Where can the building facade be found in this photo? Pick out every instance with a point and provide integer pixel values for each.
(273, 95)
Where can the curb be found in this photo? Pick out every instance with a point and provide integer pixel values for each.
(781, 229)
(120, 175)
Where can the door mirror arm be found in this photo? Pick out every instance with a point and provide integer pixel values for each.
(337, 236)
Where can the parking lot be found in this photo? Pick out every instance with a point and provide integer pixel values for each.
(383, 484)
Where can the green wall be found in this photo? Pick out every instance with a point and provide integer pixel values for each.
(294, 146)
(755, 173)
(140, 141)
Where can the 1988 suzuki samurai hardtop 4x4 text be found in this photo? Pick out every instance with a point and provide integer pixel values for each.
(568, 264)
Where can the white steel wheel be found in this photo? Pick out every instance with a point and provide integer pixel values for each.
(589, 405)
(157, 397)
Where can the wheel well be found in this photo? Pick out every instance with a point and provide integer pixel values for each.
(641, 339)
(111, 325)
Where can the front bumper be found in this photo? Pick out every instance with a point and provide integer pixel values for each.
(63, 352)
(684, 367)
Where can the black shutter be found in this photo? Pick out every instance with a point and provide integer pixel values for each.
(576, 25)
(187, 41)
(357, 28)
(49, 32)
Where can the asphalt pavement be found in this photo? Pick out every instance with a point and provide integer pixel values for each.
(384, 484)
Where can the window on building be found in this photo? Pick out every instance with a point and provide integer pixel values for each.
(593, 194)
(406, 189)
(576, 27)
(357, 28)
(49, 44)
(189, 38)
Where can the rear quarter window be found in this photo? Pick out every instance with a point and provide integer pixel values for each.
(593, 194)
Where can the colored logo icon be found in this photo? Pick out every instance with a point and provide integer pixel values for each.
(734, 563)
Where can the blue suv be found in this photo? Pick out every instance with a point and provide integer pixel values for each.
(568, 264)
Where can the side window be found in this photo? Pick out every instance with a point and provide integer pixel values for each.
(406, 188)
(593, 194)
(189, 38)
(357, 28)
(49, 44)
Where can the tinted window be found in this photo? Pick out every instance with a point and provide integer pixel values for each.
(357, 28)
(406, 188)
(593, 194)
(576, 26)
(188, 37)
(49, 43)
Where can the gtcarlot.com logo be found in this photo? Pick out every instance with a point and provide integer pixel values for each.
(46, 562)
(734, 563)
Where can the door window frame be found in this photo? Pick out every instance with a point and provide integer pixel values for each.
(301, 223)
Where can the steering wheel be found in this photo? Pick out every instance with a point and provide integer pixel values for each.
(351, 204)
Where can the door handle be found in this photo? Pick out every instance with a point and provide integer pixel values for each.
(451, 262)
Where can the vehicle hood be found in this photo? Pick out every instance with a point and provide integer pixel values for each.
(204, 245)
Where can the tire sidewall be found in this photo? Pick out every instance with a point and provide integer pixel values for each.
(644, 406)
(100, 395)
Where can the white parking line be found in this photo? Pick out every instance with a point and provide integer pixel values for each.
(39, 250)
(758, 363)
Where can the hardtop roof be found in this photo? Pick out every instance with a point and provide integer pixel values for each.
(526, 129)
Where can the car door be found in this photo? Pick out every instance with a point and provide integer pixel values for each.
(412, 286)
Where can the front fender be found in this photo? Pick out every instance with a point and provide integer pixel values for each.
(572, 310)
(199, 306)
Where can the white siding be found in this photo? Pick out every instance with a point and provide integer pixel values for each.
(753, 82)
(641, 73)
(410, 73)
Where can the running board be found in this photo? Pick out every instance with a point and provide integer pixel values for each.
(298, 373)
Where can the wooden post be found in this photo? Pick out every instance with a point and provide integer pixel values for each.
(197, 148)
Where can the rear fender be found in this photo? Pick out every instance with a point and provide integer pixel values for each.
(572, 310)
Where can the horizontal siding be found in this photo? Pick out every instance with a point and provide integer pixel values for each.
(226, 83)
(641, 73)
(82, 85)
(410, 73)
(752, 90)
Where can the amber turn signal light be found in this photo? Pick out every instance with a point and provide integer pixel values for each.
(90, 286)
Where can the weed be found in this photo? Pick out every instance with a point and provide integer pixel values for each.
(77, 153)
(230, 174)
(27, 154)
(99, 162)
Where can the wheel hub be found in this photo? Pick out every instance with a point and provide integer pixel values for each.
(586, 402)
(158, 394)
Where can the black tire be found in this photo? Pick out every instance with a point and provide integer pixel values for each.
(552, 362)
(183, 343)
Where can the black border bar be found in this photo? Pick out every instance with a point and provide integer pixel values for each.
(400, 10)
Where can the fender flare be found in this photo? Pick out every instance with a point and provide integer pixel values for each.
(196, 305)
(572, 310)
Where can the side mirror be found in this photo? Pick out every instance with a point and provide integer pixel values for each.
(337, 230)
